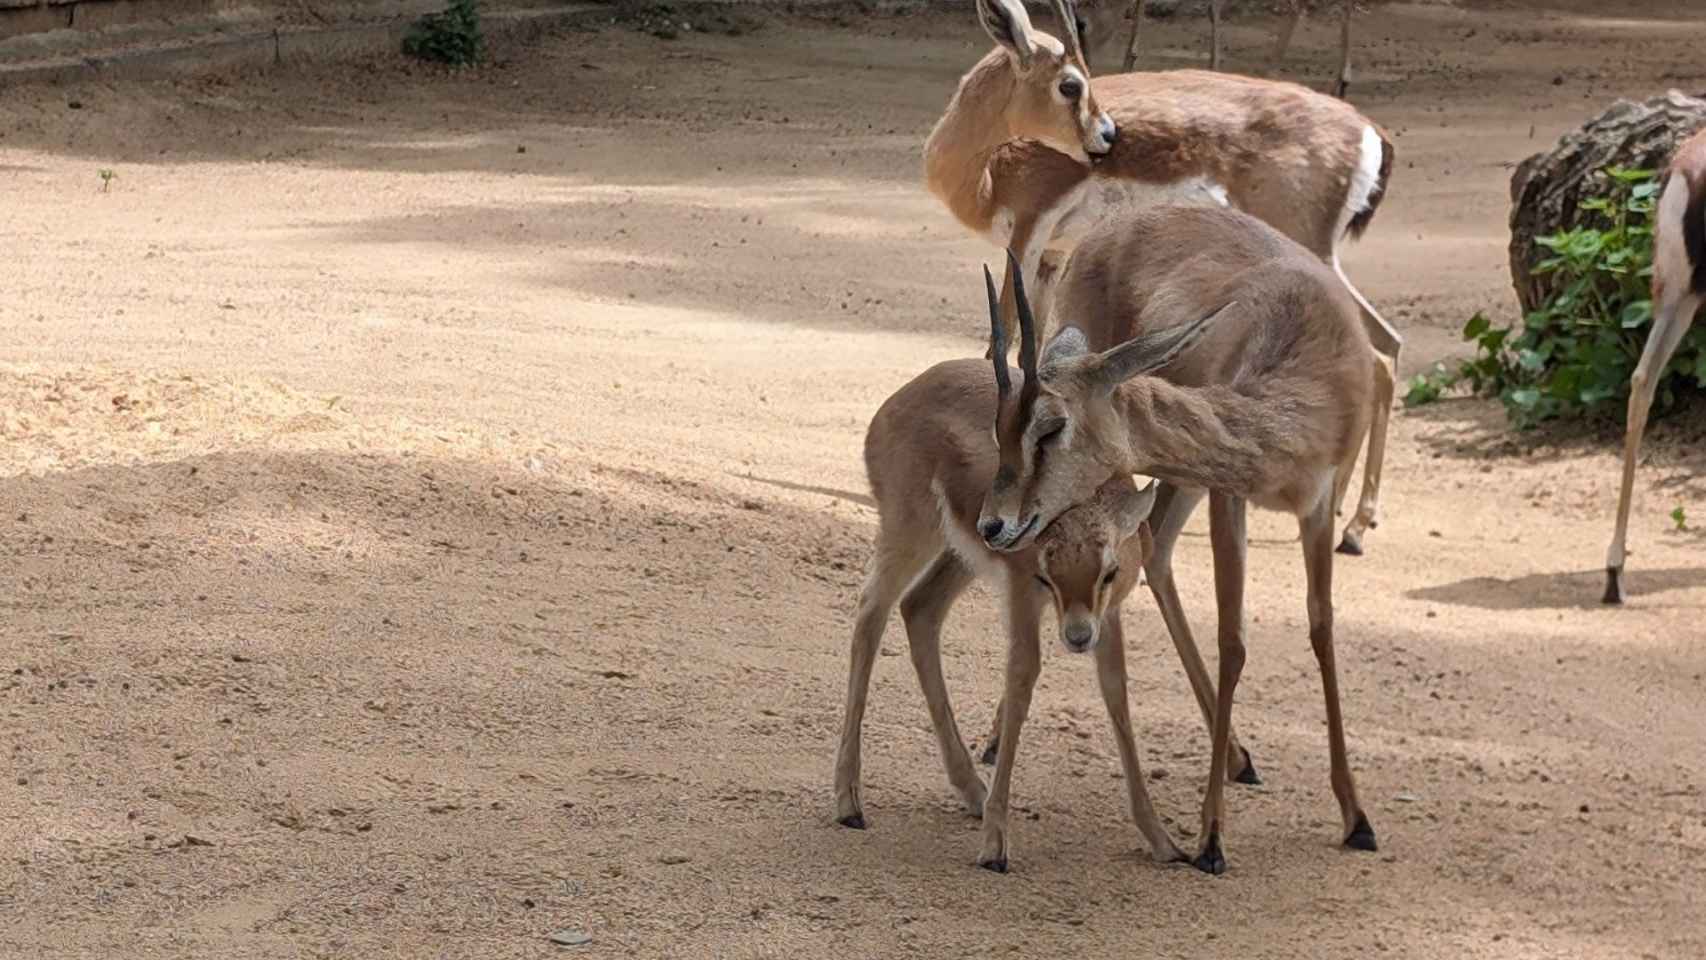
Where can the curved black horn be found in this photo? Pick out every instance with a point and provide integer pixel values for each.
(1027, 325)
(997, 337)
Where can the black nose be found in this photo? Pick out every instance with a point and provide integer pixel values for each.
(1078, 635)
(991, 528)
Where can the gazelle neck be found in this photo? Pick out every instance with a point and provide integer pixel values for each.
(1210, 437)
(975, 123)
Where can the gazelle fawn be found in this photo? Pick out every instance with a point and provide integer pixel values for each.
(1310, 166)
(1264, 403)
(929, 454)
(1679, 288)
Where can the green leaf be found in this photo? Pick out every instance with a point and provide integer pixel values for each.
(1637, 313)
(1422, 391)
(1629, 175)
(1597, 393)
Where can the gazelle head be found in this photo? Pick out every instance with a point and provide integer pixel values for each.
(1052, 100)
(1062, 436)
(1090, 558)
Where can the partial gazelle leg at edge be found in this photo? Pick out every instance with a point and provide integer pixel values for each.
(1214, 34)
(1317, 536)
(1344, 85)
(1285, 35)
(992, 744)
(1110, 675)
(889, 574)
(1227, 534)
(923, 610)
(1386, 343)
(1173, 508)
(1129, 62)
(1024, 661)
(1670, 325)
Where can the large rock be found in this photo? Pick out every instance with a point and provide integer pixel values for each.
(1548, 188)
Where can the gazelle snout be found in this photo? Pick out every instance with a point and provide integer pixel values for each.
(1103, 132)
(1078, 631)
(1003, 534)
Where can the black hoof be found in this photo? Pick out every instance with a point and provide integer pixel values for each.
(1349, 547)
(1613, 586)
(854, 821)
(1248, 775)
(1211, 861)
(990, 753)
(1362, 835)
(994, 866)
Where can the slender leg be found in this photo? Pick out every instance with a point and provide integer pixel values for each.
(1367, 515)
(1387, 343)
(1342, 482)
(923, 610)
(1317, 534)
(1214, 34)
(1110, 674)
(890, 572)
(1670, 325)
(1286, 33)
(1227, 534)
(1024, 660)
(1173, 507)
(1130, 62)
(1344, 85)
(992, 744)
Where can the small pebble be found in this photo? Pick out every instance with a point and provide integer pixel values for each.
(570, 938)
(671, 859)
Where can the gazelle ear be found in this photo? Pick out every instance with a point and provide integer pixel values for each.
(1009, 25)
(1067, 342)
(1072, 29)
(1152, 351)
(1146, 543)
(1132, 507)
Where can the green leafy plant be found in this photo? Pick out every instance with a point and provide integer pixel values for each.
(1573, 356)
(1679, 517)
(107, 178)
(451, 36)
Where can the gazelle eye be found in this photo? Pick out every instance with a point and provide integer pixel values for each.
(1108, 578)
(1070, 88)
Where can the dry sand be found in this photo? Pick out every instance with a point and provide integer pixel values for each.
(412, 546)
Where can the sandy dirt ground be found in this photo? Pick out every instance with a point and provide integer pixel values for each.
(431, 511)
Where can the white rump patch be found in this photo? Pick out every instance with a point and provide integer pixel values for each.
(1365, 178)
